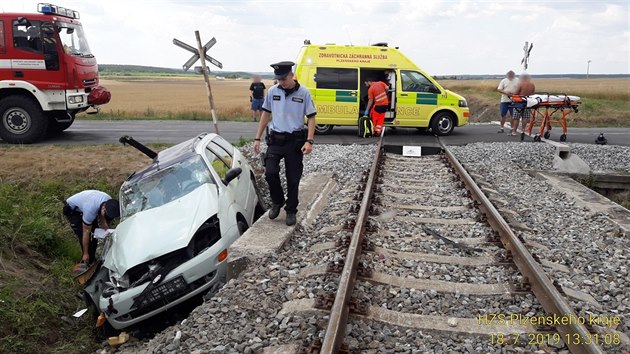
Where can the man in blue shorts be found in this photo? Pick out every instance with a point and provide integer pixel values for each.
(507, 87)
(256, 96)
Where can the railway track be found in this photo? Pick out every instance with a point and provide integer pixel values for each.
(451, 247)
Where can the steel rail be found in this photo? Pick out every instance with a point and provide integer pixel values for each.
(335, 331)
(544, 290)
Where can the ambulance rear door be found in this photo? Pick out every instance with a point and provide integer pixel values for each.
(337, 95)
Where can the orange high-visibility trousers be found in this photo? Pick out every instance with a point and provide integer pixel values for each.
(378, 119)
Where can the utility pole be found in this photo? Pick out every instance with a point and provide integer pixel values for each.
(588, 67)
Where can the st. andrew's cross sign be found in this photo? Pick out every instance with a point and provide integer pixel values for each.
(199, 53)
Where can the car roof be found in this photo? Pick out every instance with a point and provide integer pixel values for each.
(173, 155)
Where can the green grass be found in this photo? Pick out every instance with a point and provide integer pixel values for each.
(38, 250)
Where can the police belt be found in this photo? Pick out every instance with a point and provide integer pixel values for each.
(280, 138)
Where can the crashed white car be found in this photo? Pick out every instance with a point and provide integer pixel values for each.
(178, 218)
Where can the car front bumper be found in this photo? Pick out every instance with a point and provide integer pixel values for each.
(189, 279)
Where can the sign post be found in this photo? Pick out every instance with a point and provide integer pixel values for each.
(199, 53)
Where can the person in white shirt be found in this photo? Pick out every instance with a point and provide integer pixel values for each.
(507, 87)
(86, 211)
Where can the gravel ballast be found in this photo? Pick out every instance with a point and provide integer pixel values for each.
(244, 316)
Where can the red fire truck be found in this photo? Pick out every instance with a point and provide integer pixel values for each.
(47, 73)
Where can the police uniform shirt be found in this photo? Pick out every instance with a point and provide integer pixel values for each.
(288, 111)
(89, 203)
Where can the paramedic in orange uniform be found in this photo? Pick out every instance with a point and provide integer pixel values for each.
(378, 103)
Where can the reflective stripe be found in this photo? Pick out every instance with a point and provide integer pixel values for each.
(381, 98)
(379, 90)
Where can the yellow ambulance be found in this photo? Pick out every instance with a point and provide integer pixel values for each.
(335, 76)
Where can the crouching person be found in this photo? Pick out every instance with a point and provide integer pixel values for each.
(85, 212)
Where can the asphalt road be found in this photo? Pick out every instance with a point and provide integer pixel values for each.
(154, 131)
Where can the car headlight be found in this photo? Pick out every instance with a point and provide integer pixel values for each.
(463, 103)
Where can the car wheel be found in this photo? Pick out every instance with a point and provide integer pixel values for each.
(23, 121)
(323, 129)
(443, 124)
(242, 227)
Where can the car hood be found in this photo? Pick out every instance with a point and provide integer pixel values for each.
(155, 232)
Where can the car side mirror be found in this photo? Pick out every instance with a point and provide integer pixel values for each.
(231, 174)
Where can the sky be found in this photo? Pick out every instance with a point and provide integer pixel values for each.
(442, 36)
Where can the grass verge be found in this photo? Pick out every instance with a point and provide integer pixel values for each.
(38, 248)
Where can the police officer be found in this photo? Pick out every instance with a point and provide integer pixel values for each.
(85, 212)
(289, 103)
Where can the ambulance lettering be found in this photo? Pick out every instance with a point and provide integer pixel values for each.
(334, 109)
(408, 111)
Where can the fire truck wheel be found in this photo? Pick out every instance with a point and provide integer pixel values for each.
(23, 122)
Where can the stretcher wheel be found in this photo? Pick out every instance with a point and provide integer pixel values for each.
(537, 138)
(563, 137)
(547, 134)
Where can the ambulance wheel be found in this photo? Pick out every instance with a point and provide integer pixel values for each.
(563, 137)
(23, 121)
(323, 129)
(547, 134)
(443, 124)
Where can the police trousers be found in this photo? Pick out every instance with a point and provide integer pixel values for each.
(75, 218)
(287, 146)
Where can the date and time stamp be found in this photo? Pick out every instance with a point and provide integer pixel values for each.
(608, 338)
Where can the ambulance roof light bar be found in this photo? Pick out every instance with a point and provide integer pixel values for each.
(49, 9)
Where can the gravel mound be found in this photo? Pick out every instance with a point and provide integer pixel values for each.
(588, 243)
(603, 158)
(600, 158)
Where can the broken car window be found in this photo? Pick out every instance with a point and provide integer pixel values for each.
(164, 186)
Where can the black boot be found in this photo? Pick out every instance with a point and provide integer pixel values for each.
(274, 211)
(291, 219)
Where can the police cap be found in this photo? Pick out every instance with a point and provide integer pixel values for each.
(282, 69)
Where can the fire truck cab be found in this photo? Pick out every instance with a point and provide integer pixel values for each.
(47, 73)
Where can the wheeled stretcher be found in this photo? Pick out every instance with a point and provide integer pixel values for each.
(543, 108)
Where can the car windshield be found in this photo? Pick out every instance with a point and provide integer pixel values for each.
(163, 186)
(73, 39)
